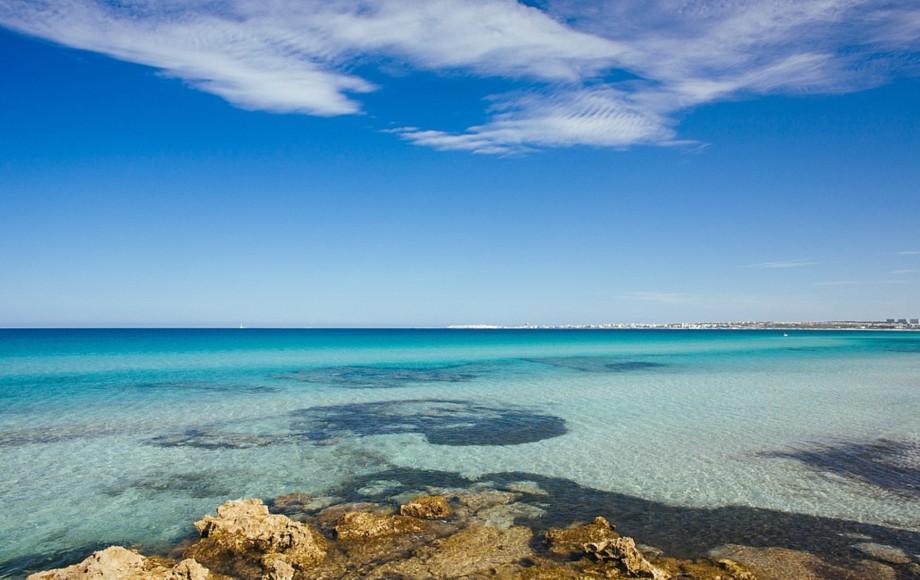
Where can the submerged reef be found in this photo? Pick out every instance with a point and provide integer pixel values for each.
(599, 364)
(474, 531)
(441, 421)
(884, 464)
(385, 377)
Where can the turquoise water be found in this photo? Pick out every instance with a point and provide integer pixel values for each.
(127, 436)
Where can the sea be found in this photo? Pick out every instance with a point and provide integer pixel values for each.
(686, 439)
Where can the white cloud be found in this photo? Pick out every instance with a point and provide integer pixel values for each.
(602, 117)
(782, 264)
(300, 56)
(909, 253)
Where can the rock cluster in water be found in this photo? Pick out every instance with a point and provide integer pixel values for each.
(467, 534)
(117, 562)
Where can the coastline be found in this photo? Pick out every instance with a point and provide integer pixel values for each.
(474, 532)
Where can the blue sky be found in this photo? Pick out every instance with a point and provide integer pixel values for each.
(377, 163)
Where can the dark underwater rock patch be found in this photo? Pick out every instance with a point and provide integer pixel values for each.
(383, 377)
(441, 421)
(202, 387)
(889, 465)
(55, 434)
(682, 531)
(599, 364)
(198, 484)
(635, 365)
(207, 439)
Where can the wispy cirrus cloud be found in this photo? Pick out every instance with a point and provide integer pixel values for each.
(909, 253)
(300, 56)
(860, 282)
(782, 264)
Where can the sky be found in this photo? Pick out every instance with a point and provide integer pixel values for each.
(396, 163)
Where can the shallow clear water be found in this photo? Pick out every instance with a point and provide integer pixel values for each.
(127, 436)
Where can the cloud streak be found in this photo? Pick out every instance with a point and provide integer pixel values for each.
(782, 264)
(301, 56)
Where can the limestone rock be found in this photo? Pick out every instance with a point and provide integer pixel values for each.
(369, 525)
(772, 563)
(704, 569)
(569, 541)
(244, 528)
(188, 569)
(429, 507)
(883, 553)
(527, 488)
(506, 515)
(112, 562)
(622, 552)
(736, 570)
(473, 550)
(277, 567)
(487, 498)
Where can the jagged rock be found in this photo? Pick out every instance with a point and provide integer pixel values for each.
(473, 550)
(368, 525)
(120, 563)
(277, 567)
(245, 529)
(112, 562)
(704, 569)
(429, 507)
(622, 552)
(569, 541)
(773, 563)
(330, 516)
(188, 569)
(737, 571)
(883, 553)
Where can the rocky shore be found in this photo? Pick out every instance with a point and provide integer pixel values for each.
(460, 534)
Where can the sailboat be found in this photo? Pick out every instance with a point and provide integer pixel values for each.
(241, 326)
